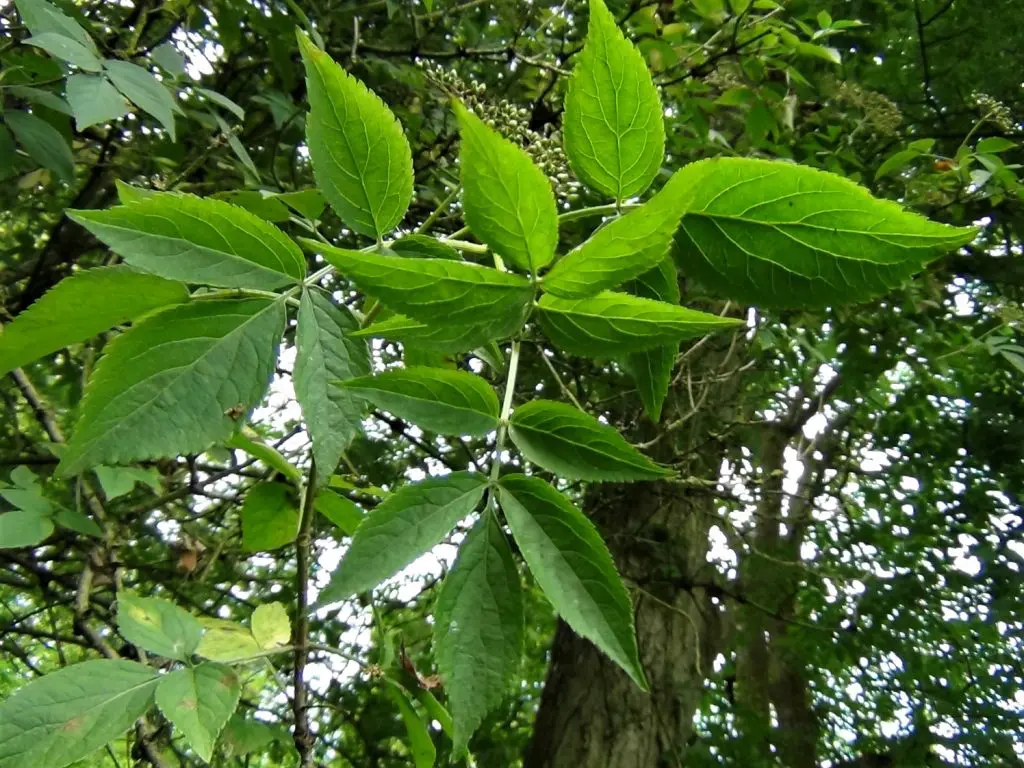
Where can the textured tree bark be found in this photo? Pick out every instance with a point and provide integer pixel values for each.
(591, 715)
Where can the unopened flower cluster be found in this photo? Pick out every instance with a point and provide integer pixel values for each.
(512, 122)
(994, 110)
(880, 113)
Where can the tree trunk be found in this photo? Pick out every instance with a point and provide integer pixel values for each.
(591, 715)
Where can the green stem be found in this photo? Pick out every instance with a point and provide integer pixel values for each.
(506, 409)
(596, 210)
(426, 225)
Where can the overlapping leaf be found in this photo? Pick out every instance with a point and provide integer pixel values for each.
(432, 290)
(361, 158)
(43, 142)
(405, 525)
(94, 100)
(199, 701)
(177, 382)
(652, 368)
(327, 354)
(572, 565)
(448, 402)
(478, 628)
(81, 306)
(617, 324)
(613, 126)
(626, 247)
(144, 91)
(508, 200)
(444, 338)
(157, 625)
(270, 517)
(66, 715)
(574, 444)
(783, 235)
(197, 240)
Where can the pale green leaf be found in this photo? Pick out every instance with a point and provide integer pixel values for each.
(177, 382)
(423, 247)
(613, 126)
(67, 715)
(120, 481)
(306, 202)
(42, 142)
(447, 402)
(127, 193)
(199, 701)
(404, 526)
(242, 736)
(144, 91)
(248, 440)
(197, 240)
(94, 100)
(572, 565)
(158, 626)
(617, 324)
(169, 59)
(339, 510)
(652, 368)
(626, 247)
(67, 49)
(267, 207)
(421, 746)
(271, 626)
(40, 96)
(507, 199)
(430, 290)
(447, 339)
(81, 306)
(270, 517)
(994, 145)
(326, 353)
(43, 18)
(360, 156)
(23, 528)
(573, 444)
(478, 628)
(783, 235)
(227, 641)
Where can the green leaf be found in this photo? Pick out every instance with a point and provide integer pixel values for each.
(423, 247)
(76, 521)
(226, 641)
(404, 526)
(447, 402)
(248, 440)
(197, 240)
(573, 444)
(271, 626)
(127, 194)
(270, 518)
(572, 565)
(896, 162)
(267, 207)
(224, 102)
(67, 715)
(429, 289)
(199, 701)
(158, 626)
(478, 628)
(144, 91)
(339, 510)
(42, 142)
(325, 354)
(306, 202)
(23, 528)
(169, 59)
(241, 736)
(94, 100)
(81, 306)
(176, 382)
(507, 199)
(43, 18)
(613, 126)
(67, 49)
(652, 369)
(40, 96)
(626, 247)
(617, 324)
(447, 339)
(782, 235)
(994, 145)
(420, 744)
(120, 481)
(361, 159)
